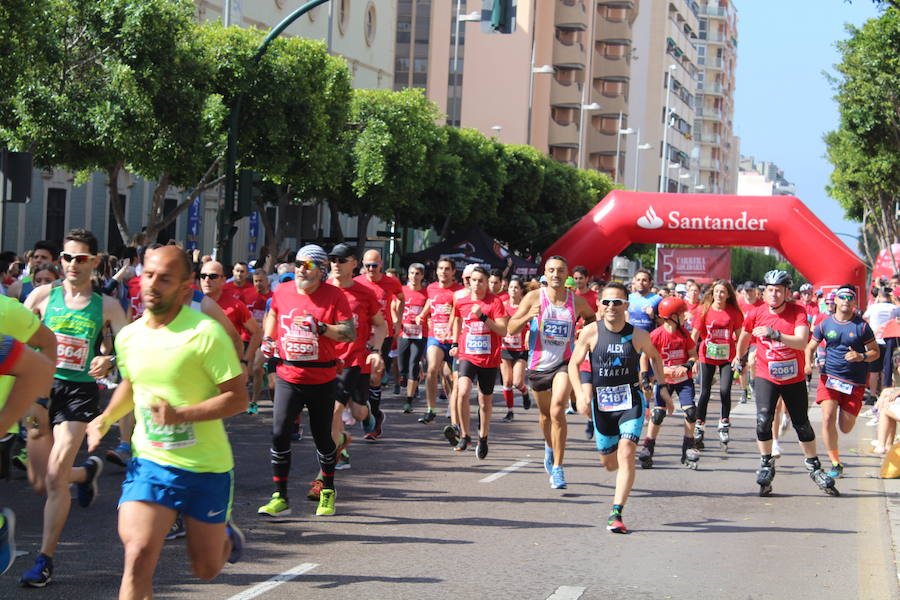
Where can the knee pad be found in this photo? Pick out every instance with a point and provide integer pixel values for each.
(805, 431)
(763, 426)
(657, 415)
(690, 414)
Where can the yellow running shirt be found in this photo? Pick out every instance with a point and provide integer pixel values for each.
(20, 323)
(183, 362)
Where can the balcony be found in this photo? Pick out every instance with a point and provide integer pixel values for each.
(712, 88)
(710, 114)
(611, 67)
(568, 55)
(565, 136)
(718, 12)
(713, 63)
(709, 138)
(565, 94)
(710, 164)
(713, 37)
(571, 14)
(605, 29)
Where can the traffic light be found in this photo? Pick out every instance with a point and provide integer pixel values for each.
(15, 173)
(247, 193)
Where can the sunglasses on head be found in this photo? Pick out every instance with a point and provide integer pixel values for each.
(212, 276)
(371, 265)
(612, 302)
(342, 260)
(308, 264)
(79, 258)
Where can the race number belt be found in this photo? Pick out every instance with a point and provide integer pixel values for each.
(478, 344)
(614, 398)
(301, 346)
(782, 370)
(844, 387)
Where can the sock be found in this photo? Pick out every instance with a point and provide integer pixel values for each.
(281, 467)
(647, 441)
(835, 456)
(617, 509)
(375, 399)
(326, 464)
(508, 397)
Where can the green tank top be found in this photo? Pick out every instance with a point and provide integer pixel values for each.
(76, 332)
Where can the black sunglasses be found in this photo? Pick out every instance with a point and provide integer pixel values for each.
(340, 261)
(212, 276)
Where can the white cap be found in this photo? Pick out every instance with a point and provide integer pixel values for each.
(470, 268)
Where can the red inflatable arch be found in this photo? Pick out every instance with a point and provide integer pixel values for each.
(781, 222)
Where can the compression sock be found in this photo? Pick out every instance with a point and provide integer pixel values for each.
(508, 397)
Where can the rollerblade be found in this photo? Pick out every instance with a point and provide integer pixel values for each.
(822, 479)
(724, 438)
(690, 456)
(765, 475)
(698, 435)
(646, 454)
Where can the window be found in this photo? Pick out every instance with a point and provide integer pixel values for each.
(614, 14)
(370, 24)
(169, 205)
(343, 16)
(612, 50)
(56, 216)
(114, 242)
(562, 115)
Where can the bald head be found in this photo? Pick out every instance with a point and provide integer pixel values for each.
(212, 279)
(213, 266)
(170, 259)
(372, 264)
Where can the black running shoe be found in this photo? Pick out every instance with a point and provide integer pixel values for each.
(481, 449)
(509, 417)
(428, 417)
(526, 400)
(451, 434)
(463, 443)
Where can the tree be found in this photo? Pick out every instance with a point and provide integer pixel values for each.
(516, 218)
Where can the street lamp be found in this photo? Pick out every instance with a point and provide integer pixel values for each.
(497, 129)
(460, 18)
(619, 135)
(542, 70)
(663, 174)
(637, 156)
(583, 135)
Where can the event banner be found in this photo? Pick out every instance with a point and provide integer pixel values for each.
(703, 265)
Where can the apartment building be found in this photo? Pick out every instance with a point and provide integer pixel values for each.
(761, 178)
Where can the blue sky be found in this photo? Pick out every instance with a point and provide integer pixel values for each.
(783, 103)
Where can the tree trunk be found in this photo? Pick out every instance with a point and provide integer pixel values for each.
(112, 186)
(337, 231)
(362, 228)
(157, 206)
(164, 221)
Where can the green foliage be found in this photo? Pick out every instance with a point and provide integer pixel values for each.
(752, 265)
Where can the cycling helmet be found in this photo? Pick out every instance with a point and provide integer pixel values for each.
(806, 287)
(671, 306)
(777, 277)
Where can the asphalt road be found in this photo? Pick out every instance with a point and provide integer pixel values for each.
(416, 520)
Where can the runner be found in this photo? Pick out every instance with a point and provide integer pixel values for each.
(642, 302)
(437, 312)
(306, 321)
(612, 398)
(43, 254)
(240, 285)
(514, 355)
(358, 357)
(580, 277)
(849, 345)
(678, 353)
(258, 311)
(748, 300)
(552, 313)
(411, 347)
(717, 324)
(781, 333)
(479, 324)
(78, 317)
(808, 302)
(386, 288)
(878, 314)
(212, 283)
(180, 378)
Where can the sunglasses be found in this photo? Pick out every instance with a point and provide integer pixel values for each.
(308, 264)
(371, 265)
(79, 258)
(212, 276)
(612, 302)
(846, 297)
(342, 260)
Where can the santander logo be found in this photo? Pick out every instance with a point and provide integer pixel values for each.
(675, 220)
(650, 220)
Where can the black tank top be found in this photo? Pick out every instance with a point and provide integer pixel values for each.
(614, 361)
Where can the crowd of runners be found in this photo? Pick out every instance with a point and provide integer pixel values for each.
(183, 346)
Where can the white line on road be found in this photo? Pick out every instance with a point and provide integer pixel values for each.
(567, 592)
(506, 471)
(261, 588)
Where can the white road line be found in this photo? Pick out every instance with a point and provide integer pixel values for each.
(506, 471)
(567, 592)
(270, 584)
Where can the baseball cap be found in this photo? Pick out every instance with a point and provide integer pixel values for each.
(343, 251)
(748, 285)
(470, 268)
(681, 288)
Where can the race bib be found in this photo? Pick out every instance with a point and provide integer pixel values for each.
(167, 437)
(259, 315)
(478, 344)
(412, 331)
(513, 342)
(614, 398)
(555, 330)
(782, 370)
(442, 331)
(717, 351)
(301, 346)
(837, 385)
(71, 352)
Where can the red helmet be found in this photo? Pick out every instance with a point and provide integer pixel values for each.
(671, 306)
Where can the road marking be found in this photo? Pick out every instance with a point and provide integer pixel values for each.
(506, 471)
(270, 584)
(567, 592)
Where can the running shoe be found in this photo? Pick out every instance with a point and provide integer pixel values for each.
(20, 460)
(428, 417)
(442, 396)
(276, 507)
(396, 389)
(463, 443)
(347, 418)
(345, 442)
(557, 478)
(343, 461)
(776, 449)
(615, 524)
(526, 400)
(570, 410)
(407, 408)
(7, 539)
(785, 423)
(509, 417)
(368, 425)
(548, 459)
(298, 433)
(315, 490)
(481, 449)
(326, 504)
(745, 396)
(88, 490)
(40, 574)
(589, 430)
(237, 541)
(376, 431)
(837, 470)
(120, 455)
(452, 435)
(177, 530)
(253, 408)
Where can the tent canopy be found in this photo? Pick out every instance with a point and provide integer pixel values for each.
(473, 247)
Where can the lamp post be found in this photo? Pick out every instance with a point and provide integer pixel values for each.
(663, 173)
(497, 129)
(583, 135)
(638, 146)
(542, 70)
(460, 18)
(619, 135)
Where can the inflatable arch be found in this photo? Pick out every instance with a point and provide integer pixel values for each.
(781, 222)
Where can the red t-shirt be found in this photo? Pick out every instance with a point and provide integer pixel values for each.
(673, 348)
(746, 308)
(718, 333)
(297, 343)
(412, 307)
(247, 293)
(591, 297)
(441, 309)
(515, 341)
(775, 361)
(364, 305)
(237, 312)
(134, 293)
(811, 308)
(477, 343)
(386, 289)
(504, 297)
(258, 307)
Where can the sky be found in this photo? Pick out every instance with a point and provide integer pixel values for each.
(783, 102)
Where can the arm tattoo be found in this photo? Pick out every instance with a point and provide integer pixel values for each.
(346, 331)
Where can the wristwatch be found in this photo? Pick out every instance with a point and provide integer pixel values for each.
(322, 328)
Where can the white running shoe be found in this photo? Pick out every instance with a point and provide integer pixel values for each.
(776, 449)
